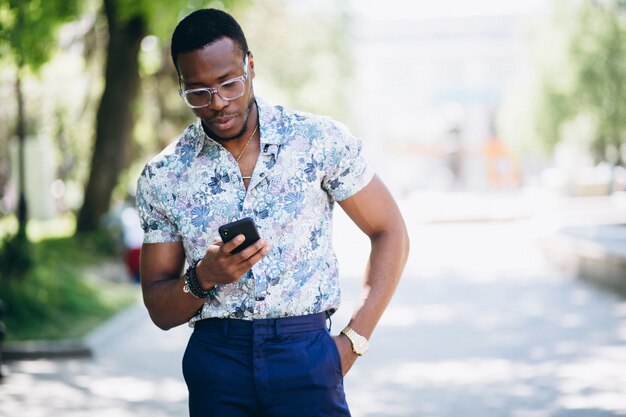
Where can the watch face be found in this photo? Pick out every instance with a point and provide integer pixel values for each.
(360, 345)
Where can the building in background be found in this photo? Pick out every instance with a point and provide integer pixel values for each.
(426, 93)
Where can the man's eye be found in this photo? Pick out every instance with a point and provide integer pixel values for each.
(200, 93)
(232, 85)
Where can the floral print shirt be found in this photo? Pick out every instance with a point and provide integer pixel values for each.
(306, 163)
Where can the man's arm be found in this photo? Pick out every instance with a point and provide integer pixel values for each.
(375, 212)
(162, 278)
(162, 284)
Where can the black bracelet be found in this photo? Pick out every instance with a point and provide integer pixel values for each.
(192, 285)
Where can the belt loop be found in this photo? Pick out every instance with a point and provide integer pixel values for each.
(330, 321)
(225, 322)
(277, 327)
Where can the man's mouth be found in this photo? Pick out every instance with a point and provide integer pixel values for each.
(223, 122)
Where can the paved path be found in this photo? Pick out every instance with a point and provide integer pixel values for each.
(134, 372)
(481, 326)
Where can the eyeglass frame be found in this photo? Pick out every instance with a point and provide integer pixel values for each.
(212, 91)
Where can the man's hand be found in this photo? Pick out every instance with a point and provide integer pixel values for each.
(219, 266)
(347, 355)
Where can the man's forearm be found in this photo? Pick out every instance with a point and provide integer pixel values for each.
(387, 259)
(389, 253)
(169, 306)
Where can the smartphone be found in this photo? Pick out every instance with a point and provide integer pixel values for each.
(244, 227)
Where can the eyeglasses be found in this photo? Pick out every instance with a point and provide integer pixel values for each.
(232, 89)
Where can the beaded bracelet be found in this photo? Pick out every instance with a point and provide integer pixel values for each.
(192, 285)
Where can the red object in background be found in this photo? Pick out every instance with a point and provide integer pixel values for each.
(131, 259)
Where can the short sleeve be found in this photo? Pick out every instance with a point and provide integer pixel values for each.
(156, 225)
(347, 169)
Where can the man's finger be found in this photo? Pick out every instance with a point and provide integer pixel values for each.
(233, 243)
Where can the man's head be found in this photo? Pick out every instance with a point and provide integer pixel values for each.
(215, 70)
(204, 27)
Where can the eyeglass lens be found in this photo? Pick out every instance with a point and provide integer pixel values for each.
(228, 91)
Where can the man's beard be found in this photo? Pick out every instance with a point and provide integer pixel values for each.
(221, 139)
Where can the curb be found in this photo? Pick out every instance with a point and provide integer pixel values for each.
(41, 349)
(72, 348)
(593, 253)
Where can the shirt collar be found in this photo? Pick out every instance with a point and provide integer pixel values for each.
(269, 118)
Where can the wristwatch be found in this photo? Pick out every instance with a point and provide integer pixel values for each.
(360, 345)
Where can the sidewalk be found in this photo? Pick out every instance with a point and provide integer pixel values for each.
(134, 371)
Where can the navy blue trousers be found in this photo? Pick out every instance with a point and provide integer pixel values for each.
(267, 368)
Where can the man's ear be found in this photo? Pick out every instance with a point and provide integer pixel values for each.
(251, 65)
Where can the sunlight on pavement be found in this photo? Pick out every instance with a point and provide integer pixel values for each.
(38, 367)
(137, 389)
(595, 382)
(458, 373)
(404, 316)
(591, 383)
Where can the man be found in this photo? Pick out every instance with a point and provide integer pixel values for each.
(260, 346)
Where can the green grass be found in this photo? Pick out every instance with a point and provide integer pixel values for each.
(53, 300)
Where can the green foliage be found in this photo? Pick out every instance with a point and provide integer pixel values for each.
(598, 55)
(302, 54)
(162, 16)
(80, 249)
(579, 55)
(15, 257)
(28, 28)
(54, 299)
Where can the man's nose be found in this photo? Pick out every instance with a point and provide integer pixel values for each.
(217, 102)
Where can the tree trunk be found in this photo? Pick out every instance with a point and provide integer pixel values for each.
(114, 120)
(22, 211)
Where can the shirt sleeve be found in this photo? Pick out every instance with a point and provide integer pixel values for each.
(156, 225)
(347, 169)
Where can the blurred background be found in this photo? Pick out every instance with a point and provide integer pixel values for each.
(500, 127)
(488, 97)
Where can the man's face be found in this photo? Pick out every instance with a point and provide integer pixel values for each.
(209, 67)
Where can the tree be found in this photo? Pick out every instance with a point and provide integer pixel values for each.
(598, 57)
(114, 119)
(128, 22)
(28, 37)
(578, 88)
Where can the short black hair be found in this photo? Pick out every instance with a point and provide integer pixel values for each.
(203, 27)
